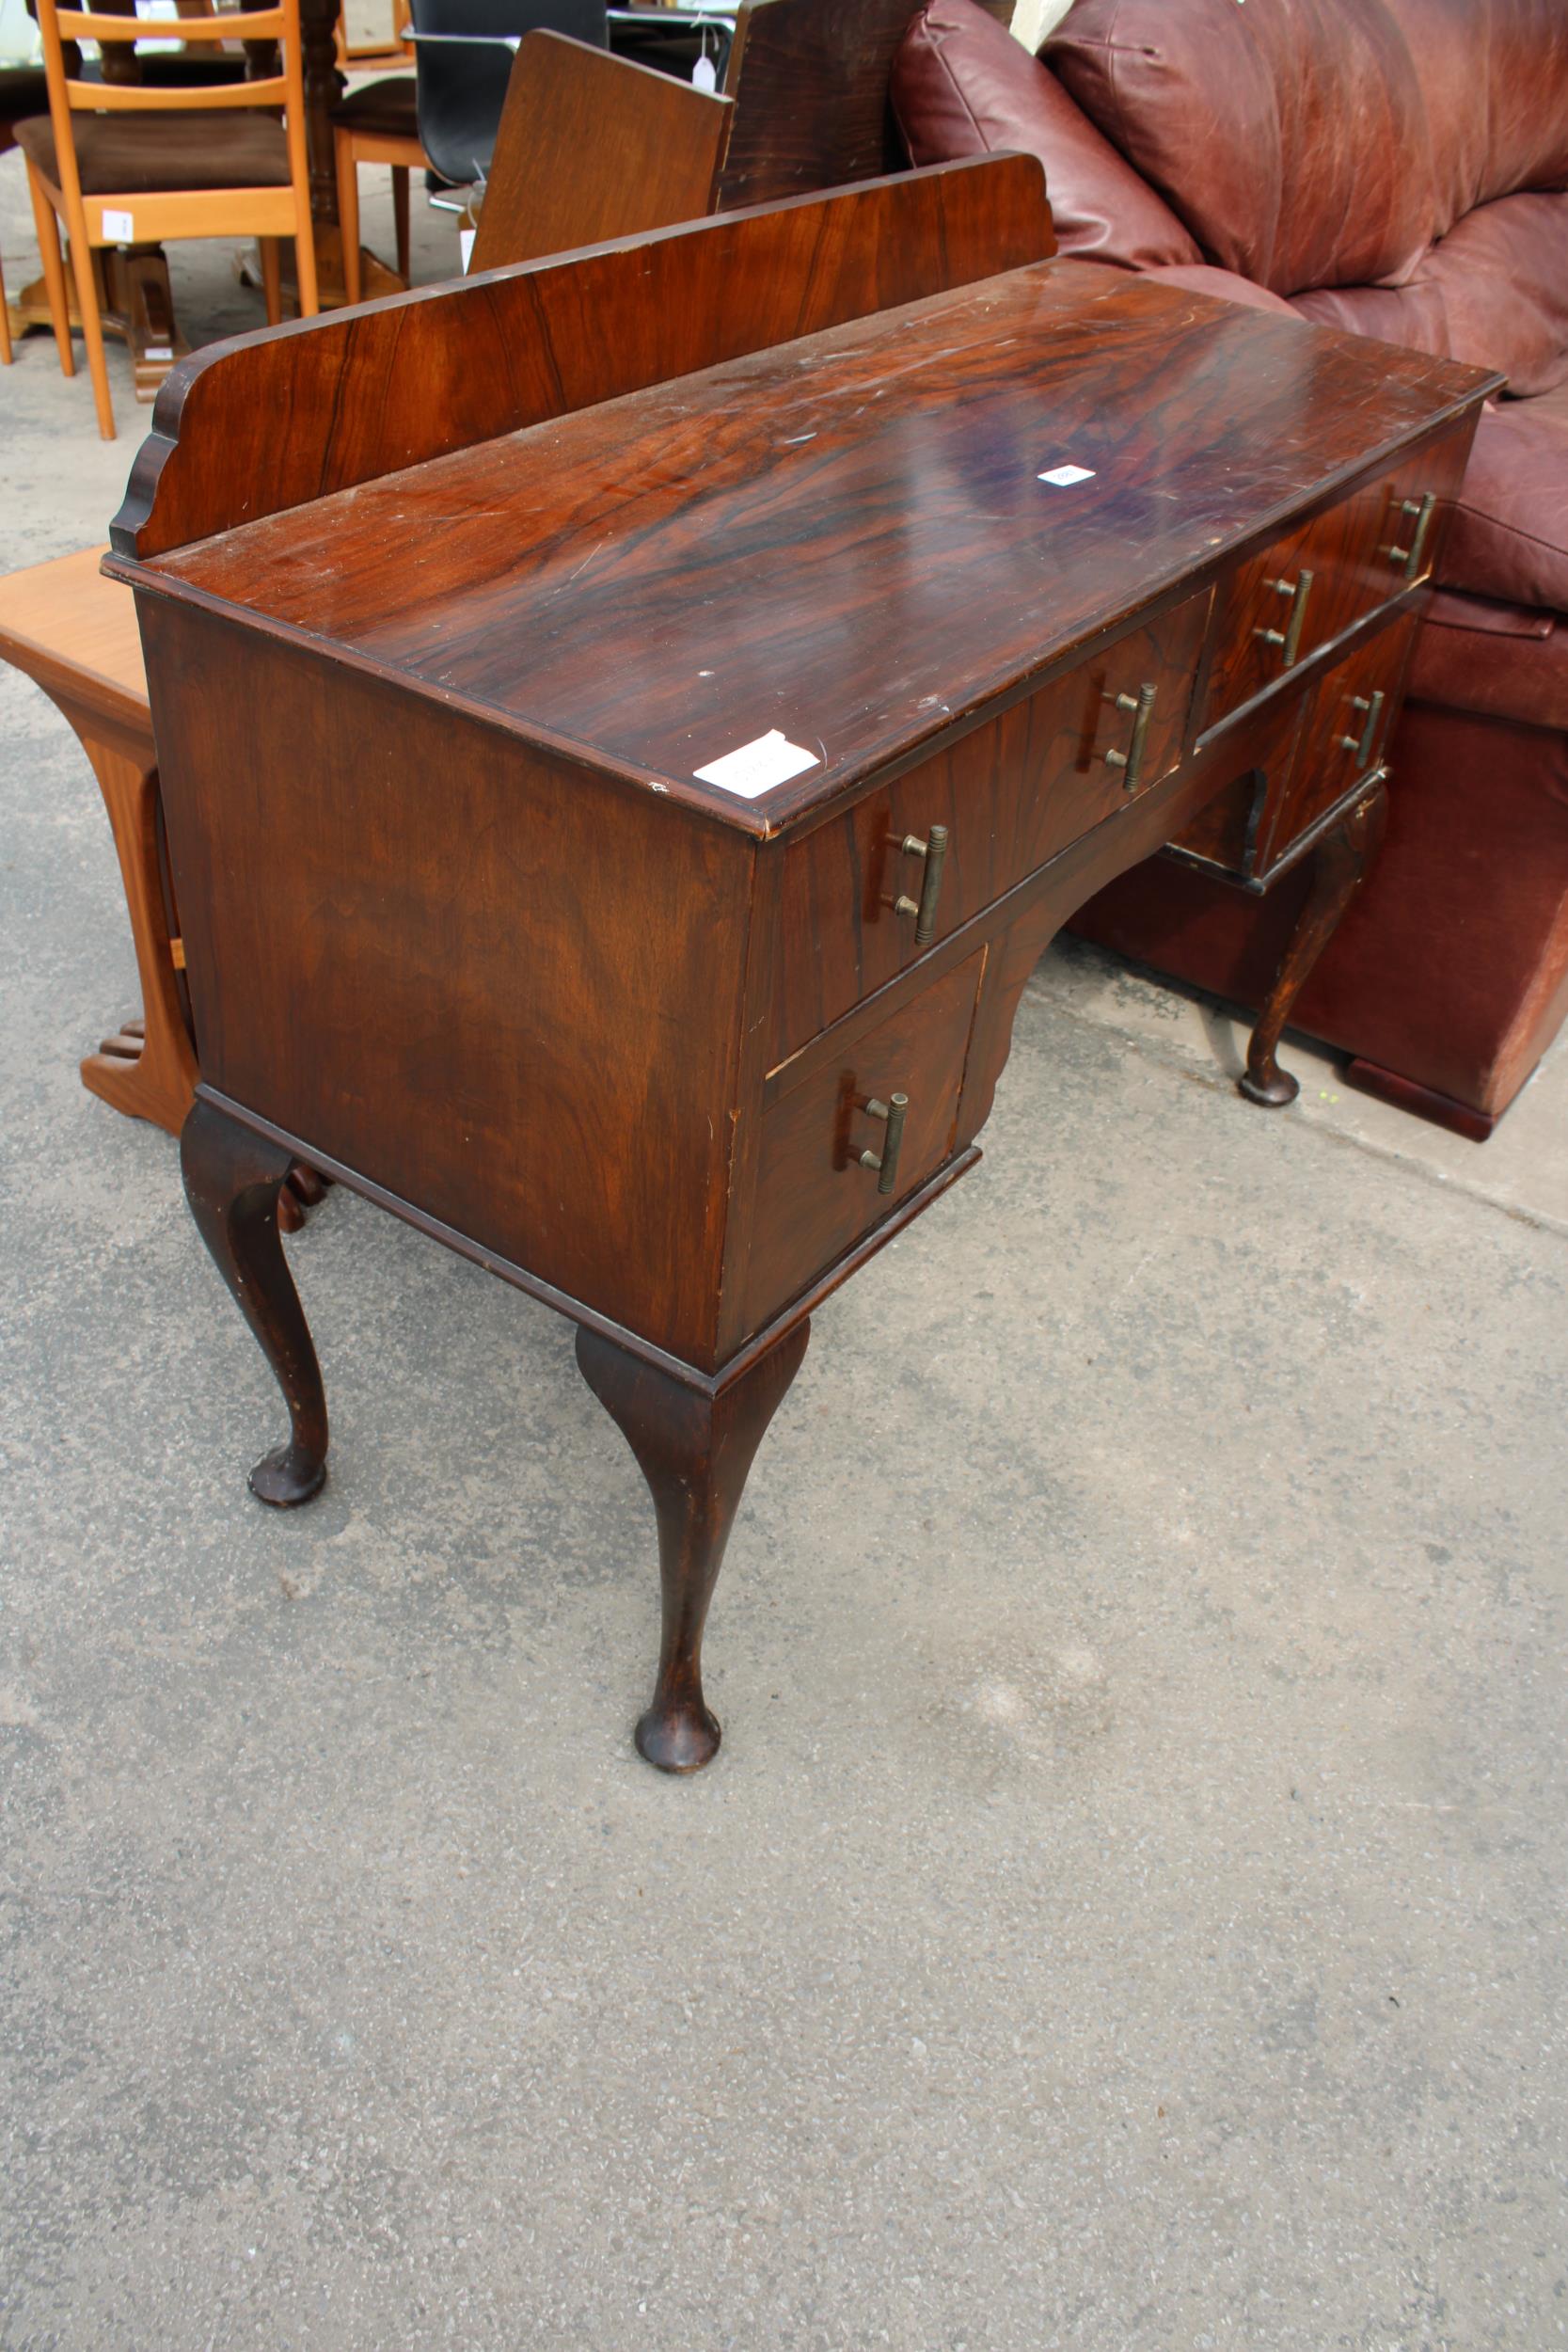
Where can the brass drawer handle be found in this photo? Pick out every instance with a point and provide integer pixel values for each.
(895, 1110)
(1288, 637)
(933, 853)
(1362, 745)
(1132, 759)
(1421, 511)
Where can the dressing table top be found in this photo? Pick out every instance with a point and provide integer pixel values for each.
(844, 538)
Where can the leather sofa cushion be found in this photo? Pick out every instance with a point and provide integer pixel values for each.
(1202, 277)
(1509, 534)
(1502, 273)
(962, 85)
(144, 154)
(1494, 77)
(1495, 292)
(1414, 315)
(1290, 136)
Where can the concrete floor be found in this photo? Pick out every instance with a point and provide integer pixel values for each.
(1128, 1910)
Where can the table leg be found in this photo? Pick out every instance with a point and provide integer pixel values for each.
(137, 306)
(324, 86)
(150, 1070)
(232, 1180)
(1342, 858)
(694, 1447)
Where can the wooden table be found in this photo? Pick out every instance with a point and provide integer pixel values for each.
(75, 632)
(1031, 564)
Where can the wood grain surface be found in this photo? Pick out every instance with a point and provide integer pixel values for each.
(844, 537)
(398, 382)
(809, 79)
(591, 147)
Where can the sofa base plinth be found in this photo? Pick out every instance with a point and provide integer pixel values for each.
(1405, 1094)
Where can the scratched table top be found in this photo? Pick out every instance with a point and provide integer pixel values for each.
(846, 539)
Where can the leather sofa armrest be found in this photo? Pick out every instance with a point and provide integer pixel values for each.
(1502, 663)
(1509, 534)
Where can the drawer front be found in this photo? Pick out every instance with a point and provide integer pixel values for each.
(814, 1196)
(1345, 734)
(1008, 797)
(1258, 757)
(1318, 581)
(1404, 519)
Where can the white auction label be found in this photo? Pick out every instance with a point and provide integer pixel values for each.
(1063, 477)
(120, 227)
(758, 767)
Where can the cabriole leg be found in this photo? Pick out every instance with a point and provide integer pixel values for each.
(232, 1180)
(695, 1451)
(1342, 860)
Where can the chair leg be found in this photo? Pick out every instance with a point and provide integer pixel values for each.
(92, 333)
(47, 224)
(5, 326)
(272, 279)
(399, 213)
(348, 212)
(305, 263)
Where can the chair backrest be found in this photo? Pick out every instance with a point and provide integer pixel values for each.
(591, 147)
(63, 29)
(463, 52)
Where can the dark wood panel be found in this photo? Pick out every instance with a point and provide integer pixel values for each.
(1342, 738)
(268, 422)
(813, 1199)
(436, 952)
(1389, 532)
(1009, 795)
(1257, 754)
(1347, 552)
(592, 147)
(810, 81)
(844, 538)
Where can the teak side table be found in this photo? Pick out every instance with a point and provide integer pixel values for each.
(75, 634)
(967, 578)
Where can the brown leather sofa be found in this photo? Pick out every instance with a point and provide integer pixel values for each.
(1396, 168)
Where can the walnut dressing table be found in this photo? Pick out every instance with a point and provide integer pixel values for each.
(629, 725)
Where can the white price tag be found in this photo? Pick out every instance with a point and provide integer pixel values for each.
(1063, 477)
(757, 767)
(120, 227)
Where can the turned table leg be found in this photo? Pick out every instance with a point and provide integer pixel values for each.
(1341, 858)
(232, 1180)
(695, 1450)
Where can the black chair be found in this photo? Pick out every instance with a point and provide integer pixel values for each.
(674, 41)
(463, 52)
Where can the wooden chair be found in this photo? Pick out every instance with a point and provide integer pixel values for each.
(388, 48)
(378, 124)
(186, 169)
